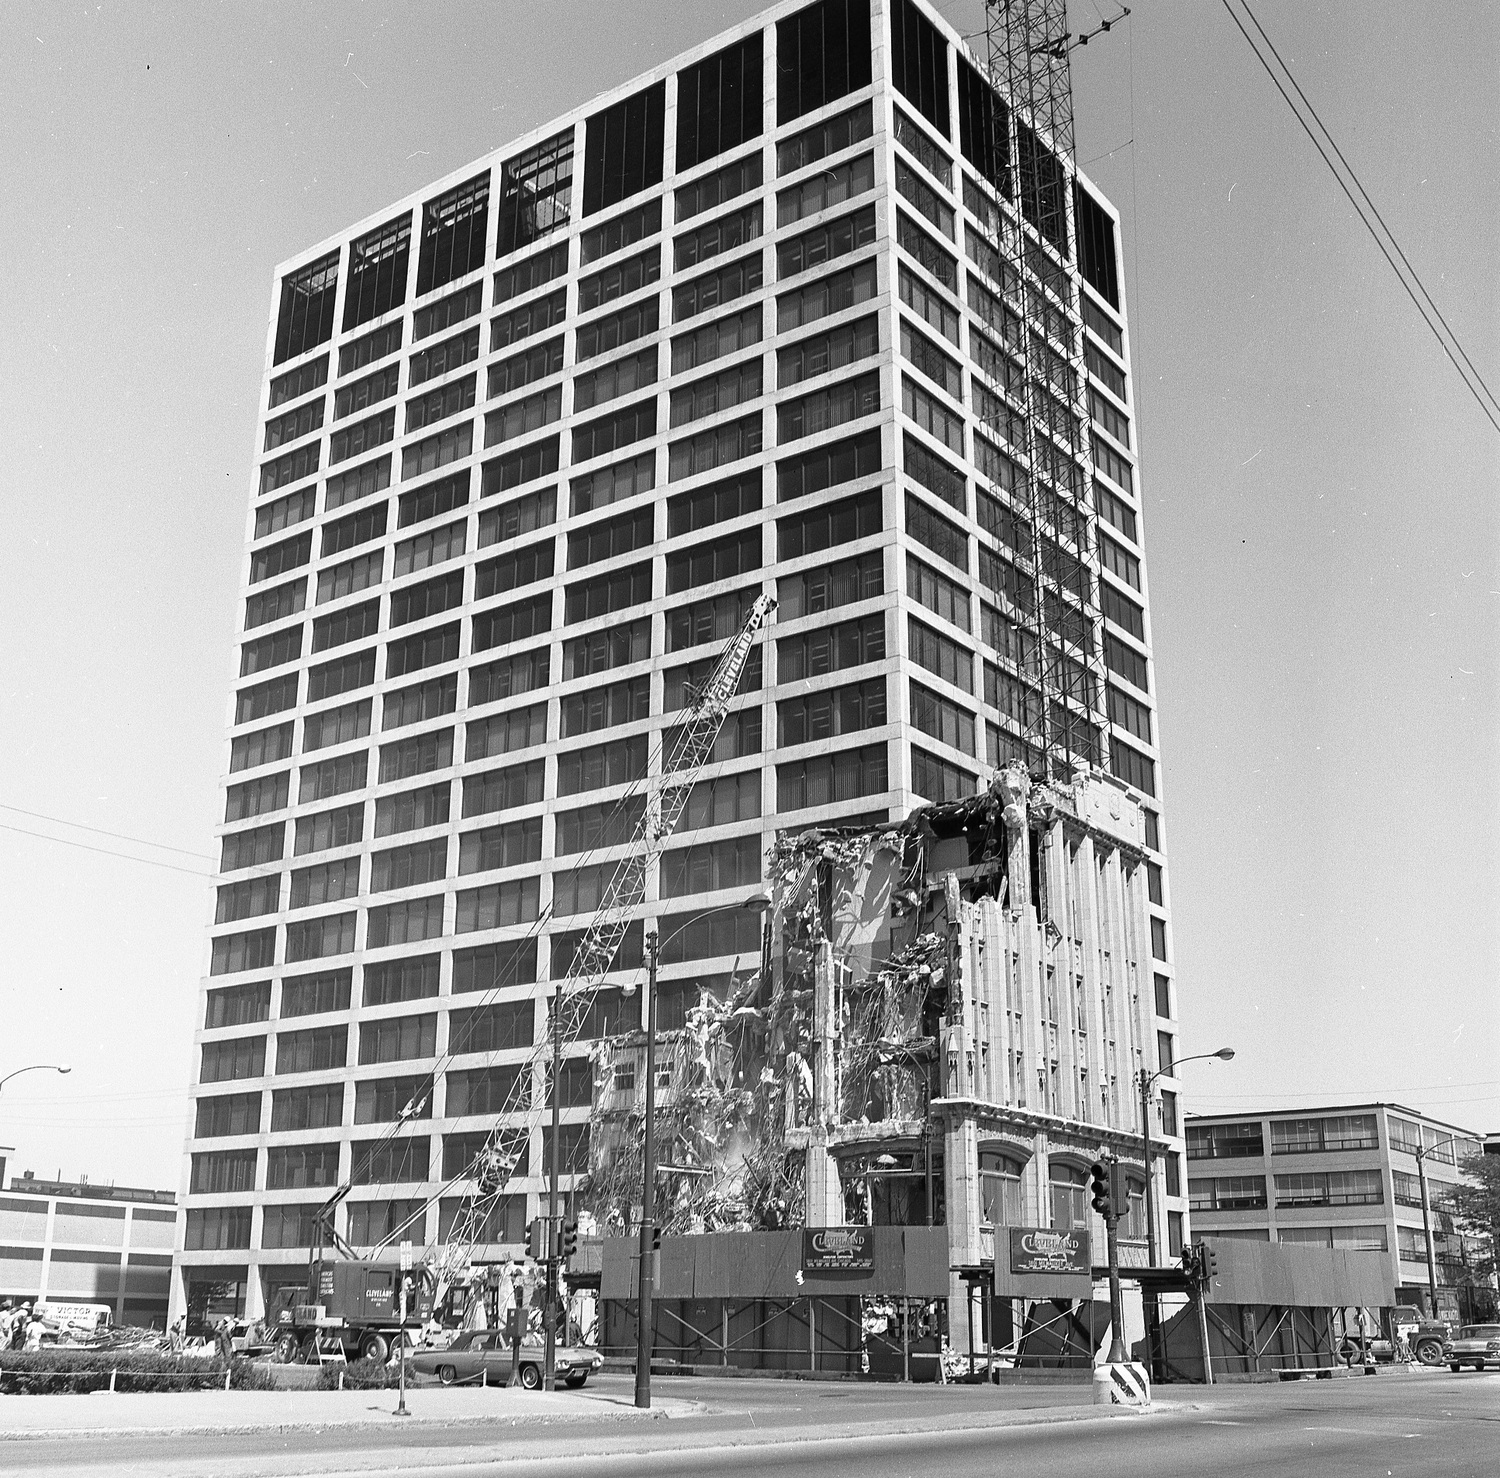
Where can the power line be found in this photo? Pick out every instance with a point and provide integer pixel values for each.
(119, 836)
(1365, 208)
(103, 851)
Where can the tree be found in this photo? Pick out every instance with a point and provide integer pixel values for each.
(1475, 1204)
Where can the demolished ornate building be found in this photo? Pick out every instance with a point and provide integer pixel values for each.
(946, 1026)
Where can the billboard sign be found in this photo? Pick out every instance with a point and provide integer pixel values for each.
(1045, 1250)
(838, 1250)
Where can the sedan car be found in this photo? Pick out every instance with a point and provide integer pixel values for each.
(486, 1353)
(1474, 1344)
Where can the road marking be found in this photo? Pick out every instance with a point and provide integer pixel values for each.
(1207, 1423)
(1347, 1431)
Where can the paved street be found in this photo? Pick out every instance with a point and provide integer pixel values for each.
(1428, 1423)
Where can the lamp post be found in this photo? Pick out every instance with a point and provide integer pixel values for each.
(1224, 1054)
(643, 1321)
(1152, 1307)
(36, 1067)
(1421, 1155)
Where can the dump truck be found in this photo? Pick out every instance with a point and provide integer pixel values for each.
(348, 1308)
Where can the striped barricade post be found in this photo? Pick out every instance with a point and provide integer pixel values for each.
(1122, 1383)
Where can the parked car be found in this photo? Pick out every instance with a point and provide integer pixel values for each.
(488, 1352)
(1474, 1344)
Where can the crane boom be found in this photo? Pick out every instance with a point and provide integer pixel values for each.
(685, 748)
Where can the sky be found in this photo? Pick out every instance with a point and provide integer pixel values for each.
(1320, 500)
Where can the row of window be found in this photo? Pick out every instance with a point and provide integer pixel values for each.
(1319, 1188)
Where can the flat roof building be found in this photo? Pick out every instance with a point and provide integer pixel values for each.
(1345, 1176)
(773, 318)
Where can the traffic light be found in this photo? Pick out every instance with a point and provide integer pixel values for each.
(1189, 1260)
(1119, 1191)
(569, 1240)
(1208, 1261)
(1099, 1191)
(656, 1239)
(538, 1240)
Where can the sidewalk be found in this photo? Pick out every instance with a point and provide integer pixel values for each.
(164, 1413)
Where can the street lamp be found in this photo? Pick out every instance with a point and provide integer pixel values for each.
(1224, 1054)
(36, 1067)
(643, 1331)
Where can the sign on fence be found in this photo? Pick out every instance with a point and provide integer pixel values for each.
(838, 1250)
(1043, 1250)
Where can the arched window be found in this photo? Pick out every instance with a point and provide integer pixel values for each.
(1070, 1202)
(1134, 1224)
(1000, 1189)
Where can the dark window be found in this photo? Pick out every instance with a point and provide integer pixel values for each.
(830, 294)
(715, 289)
(444, 357)
(374, 345)
(530, 318)
(818, 413)
(412, 979)
(619, 280)
(617, 763)
(612, 433)
(498, 905)
(706, 563)
(256, 797)
(822, 780)
(313, 939)
(822, 53)
(618, 377)
(938, 779)
(830, 712)
(320, 1106)
(444, 313)
(611, 537)
(338, 828)
(536, 190)
(716, 447)
(983, 127)
(333, 777)
(719, 103)
(397, 1039)
(1134, 768)
(382, 1162)
(409, 867)
(831, 648)
(911, 238)
(492, 966)
(609, 824)
(1042, 184)
(353, 623)
(920, 146)
(831, 136)
(231, 1113)
(360, 395)
(616, 329)
(437, 405)
(523, 672)
(413, 809)
(493, 1028)
(942, 719)
(432, 699)
(824, 467)
(306, 316)
(603, 707)
(1120, 657)
(826, 242)
(329, 882)
(419, 755)
(501, 790)
(943, 538)
(525, 464)
(432, 500)
(1096, 246)
(430, 598)
(298, 382)
(605, 594)
(453, 233)
(277, 559)
(725, 184)
(487, 1091)
(363, 436)
(1127, 614)
(511, 845)
(271, 651)
(613, 484)
(523, 369)
(377, 272)
(722, 234)
(716, 393)
(713, 503)
(824, 189)
(340, 725)
(341, 676)
(238, 1005)
(511, 571)
(919, 62)
(271, 605)
(386, 1100)
(251, 848)
(357, 483)
(311, 995)
(512, 623)
(302, 421)
(623, 149)
(623, 230)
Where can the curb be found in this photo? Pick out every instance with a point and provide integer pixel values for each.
(626, 1415)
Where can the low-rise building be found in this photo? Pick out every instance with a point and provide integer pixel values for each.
(77, 1242)
(1348, 1177)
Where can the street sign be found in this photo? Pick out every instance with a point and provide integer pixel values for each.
(838, 1250)
(1043, 1250)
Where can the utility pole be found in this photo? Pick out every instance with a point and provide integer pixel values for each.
(643, 1329)
(549, 1349)
(1107, 1185)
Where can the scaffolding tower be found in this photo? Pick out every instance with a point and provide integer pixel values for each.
(1062, 717)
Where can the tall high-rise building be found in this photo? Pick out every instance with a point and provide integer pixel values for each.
(806, 311)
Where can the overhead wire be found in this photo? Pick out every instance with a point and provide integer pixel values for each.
(104, 851)
(1365, 209)
(119, 836)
